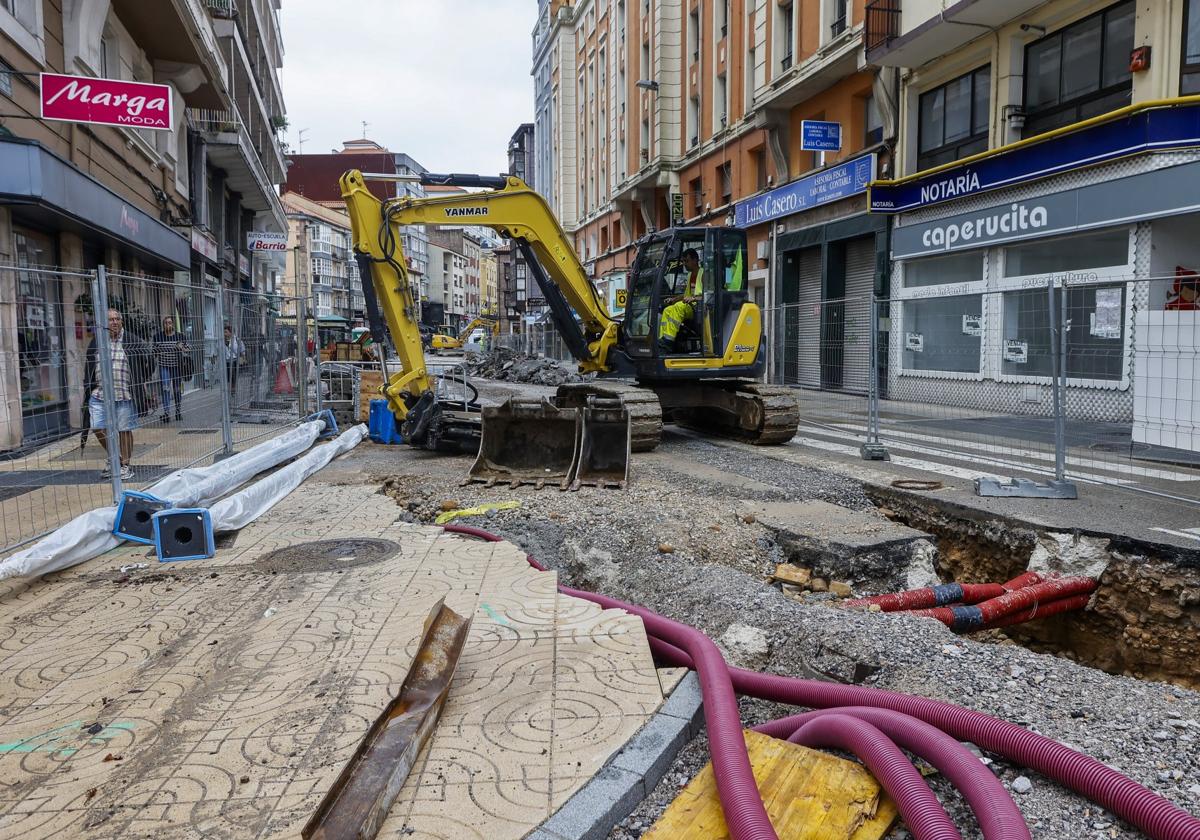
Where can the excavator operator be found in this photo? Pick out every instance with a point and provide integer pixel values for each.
(682, 308)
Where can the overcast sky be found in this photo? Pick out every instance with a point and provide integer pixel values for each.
(446, 81)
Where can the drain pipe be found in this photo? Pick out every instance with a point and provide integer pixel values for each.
(1156, 816)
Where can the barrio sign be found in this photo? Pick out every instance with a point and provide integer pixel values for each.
(106, 101)
(266, 240)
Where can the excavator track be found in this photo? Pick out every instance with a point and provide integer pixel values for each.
(764, 415)
(645, 413)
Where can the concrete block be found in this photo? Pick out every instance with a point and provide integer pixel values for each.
(687, 702)
(650, 752)
(590, 814)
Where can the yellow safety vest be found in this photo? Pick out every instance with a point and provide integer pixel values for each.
(695, 287)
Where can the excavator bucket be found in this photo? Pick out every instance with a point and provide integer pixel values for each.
(603, 445)
(527, 442)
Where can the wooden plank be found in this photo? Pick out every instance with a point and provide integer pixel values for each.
(810, 795)
(370, 384)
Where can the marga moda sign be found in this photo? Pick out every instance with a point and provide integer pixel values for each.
(106, 101)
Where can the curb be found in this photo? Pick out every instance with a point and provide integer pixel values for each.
(630, 775)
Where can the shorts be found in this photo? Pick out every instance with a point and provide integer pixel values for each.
(126, 414)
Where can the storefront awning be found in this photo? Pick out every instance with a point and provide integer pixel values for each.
(45, 189)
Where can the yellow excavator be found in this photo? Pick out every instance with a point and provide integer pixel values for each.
(702, 378)
(446, 341)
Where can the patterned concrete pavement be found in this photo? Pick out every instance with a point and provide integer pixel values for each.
(221, 698)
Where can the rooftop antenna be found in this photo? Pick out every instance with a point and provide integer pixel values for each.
(364, 125)
(300, 140)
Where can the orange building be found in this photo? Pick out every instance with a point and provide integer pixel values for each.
(649, 111)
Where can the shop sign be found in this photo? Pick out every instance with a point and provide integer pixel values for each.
(914, 342)
(829, 185)
(243, 264)
(820, 136)
(83, 99)
(1163, 192)
(676, 209)
(204, 244)
(622, 297)
(972, 325)
(1151, 130)
(266, 240)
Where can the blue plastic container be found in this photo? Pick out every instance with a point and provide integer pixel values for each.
(381, 423)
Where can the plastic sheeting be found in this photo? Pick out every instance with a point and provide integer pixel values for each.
(242, 508)
(90, 534)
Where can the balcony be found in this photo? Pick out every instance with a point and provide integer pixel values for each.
(222, 9)
(882, 24)
(914, 32)
(230, 148)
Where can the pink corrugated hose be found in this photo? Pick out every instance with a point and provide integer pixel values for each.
(677, 644)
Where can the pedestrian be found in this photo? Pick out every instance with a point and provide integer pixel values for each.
(170, 351)
(131, 361)
(234, 351)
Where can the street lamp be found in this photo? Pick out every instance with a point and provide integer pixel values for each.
(647, 84)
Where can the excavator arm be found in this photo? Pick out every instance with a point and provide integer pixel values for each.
(510, 208)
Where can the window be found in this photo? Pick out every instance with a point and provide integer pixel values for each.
(694, 120)
(1189, 82)
(873, 121)
(21, 20)
(760, 168)
(721, 102)
(1095, 342)
(723, 16)
(725, 170)
(837, 18)
(943, 334)
(966, 267)
(786, 25)
(1076, 253)
(954, 119)
(1080, 71)
(694, 35)
(696, 188)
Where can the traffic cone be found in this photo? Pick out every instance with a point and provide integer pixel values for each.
(283, 379)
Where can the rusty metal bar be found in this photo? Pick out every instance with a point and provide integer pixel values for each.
(358, 803)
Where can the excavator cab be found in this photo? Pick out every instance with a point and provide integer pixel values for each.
(686, 291)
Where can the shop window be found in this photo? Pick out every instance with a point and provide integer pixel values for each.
(1189, 82)
(943, 334)
(938, 271)
(1108, 249)
(1095, 344)
(1079, 72)
(954, 119)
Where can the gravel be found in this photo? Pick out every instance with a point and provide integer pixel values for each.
(609, 541)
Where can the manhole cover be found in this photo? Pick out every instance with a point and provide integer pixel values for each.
(326, 556)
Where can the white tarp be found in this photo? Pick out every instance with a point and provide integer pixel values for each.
(90, 535)
(243, 507)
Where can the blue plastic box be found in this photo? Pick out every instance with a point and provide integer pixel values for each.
(183, 534)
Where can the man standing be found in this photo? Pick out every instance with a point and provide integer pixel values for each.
(131, 361)
(234, 349)
(170, 351)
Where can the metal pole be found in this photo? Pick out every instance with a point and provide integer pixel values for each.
(1056, 339)
(1060, 384)
(107, 386)
(223, 355)
(317, 347)
(873, 450)
(301, 357)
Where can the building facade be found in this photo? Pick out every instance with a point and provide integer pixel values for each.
(693, 114)
(321, 268)
(1050, 150)
(175, 203)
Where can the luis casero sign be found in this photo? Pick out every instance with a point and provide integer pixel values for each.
(106, 102)
(266, 240)
(828, 185)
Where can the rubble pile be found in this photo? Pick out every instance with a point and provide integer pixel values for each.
(506, 365)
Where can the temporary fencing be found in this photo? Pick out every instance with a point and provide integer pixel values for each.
(1037, 389)
(161, 364)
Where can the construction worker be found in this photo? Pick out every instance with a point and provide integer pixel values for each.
(682, 308)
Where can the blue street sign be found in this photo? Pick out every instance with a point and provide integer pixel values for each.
(832, 184)
(819, 136)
